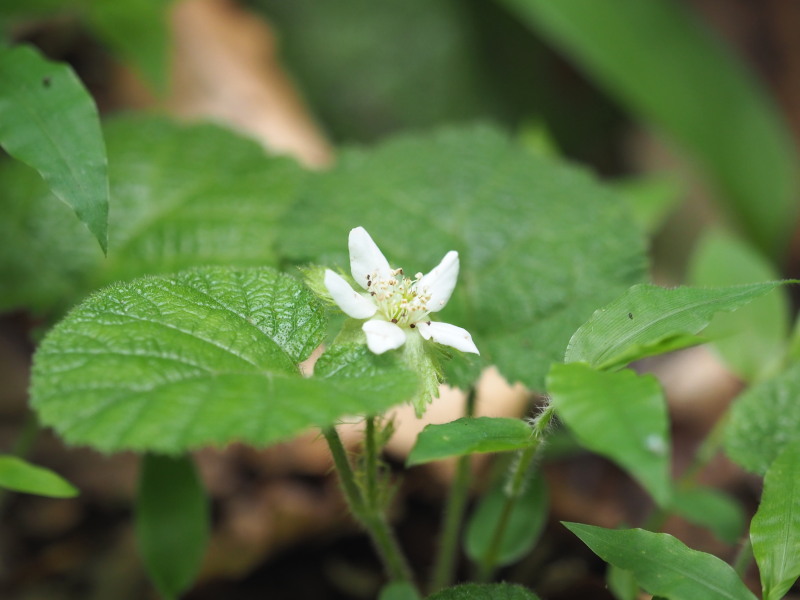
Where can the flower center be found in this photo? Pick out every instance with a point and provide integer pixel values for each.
(398, 298)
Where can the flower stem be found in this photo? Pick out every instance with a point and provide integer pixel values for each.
(368, 514)
(514, 487)
(444, 567)
(371, 464)
(743, 558)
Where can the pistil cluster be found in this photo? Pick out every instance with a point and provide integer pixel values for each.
(399, 299)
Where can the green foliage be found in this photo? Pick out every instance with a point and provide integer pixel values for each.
(540, 243)
(493, 591)
(203, 357)
(775, 529)
(752, 340)
(137, 31)
(183, 196)
(763, 420)
(469, 436)
(648, 320)
(667, 69)
(21, 476)
(651, 198)
(49, 121)
(620, 415)
(525, 524)
(172, 522)
(399, 590)
(662, 565)
(711, 508)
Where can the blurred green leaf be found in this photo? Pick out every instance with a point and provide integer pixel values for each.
(666, 67)
(663, 565)
(136, 30)
(775, 529)
(49, 121)
(540, 243)
(399, 590)
(172, 522)
(21, 476)
(764, 420)
(344, 57)
(524, 527)
(620, 415)
(490, 591)
(621, 583)
(648, 320)
(711, 508)
(208, 356)
(183, 196)
(751, 340)
(469, 436)
(650, 198)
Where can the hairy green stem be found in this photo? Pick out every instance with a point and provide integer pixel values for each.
(371, 464)
(367, 513)
(514, 488)
(444, 567)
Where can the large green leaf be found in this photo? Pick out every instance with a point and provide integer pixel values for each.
(620, 415)
(764, 420)
(49, 121)
(713, 509)
(775, 529)
(470, 436)
(491, 591)
(21, 476)
(183, 196)
(524, 526)
(658, 60)
(649, 320)
(541, 244)
(203, 357)
(663, 565)
(172, 522)
(752, 340)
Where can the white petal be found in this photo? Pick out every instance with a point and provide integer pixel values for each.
(350, 301)
(449, 335)
(383, 335)
(439, 283)
(366, 258)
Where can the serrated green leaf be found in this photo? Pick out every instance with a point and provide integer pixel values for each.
(21, 476)
(713, 509)
(490, 591)
(137, 30)
(524, 527)
(775, 529)
(172, 522)
(183, 196)
(620, 415)
(764, 420)
(469, 436)
(540, 242)
(663, 565)
(49, 121)
(657, 59)
(207, 356)
(751, 340)
(648, 320)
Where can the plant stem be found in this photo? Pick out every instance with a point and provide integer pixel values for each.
(22, 448)
(371, 464)
(743, 558)
(444, 567)
(514, 487)
(368, 514)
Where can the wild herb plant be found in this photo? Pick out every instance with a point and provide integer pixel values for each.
(220, 269)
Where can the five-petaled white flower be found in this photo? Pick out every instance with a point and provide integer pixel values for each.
(395, 305)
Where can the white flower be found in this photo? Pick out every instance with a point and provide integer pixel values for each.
(395, 305)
